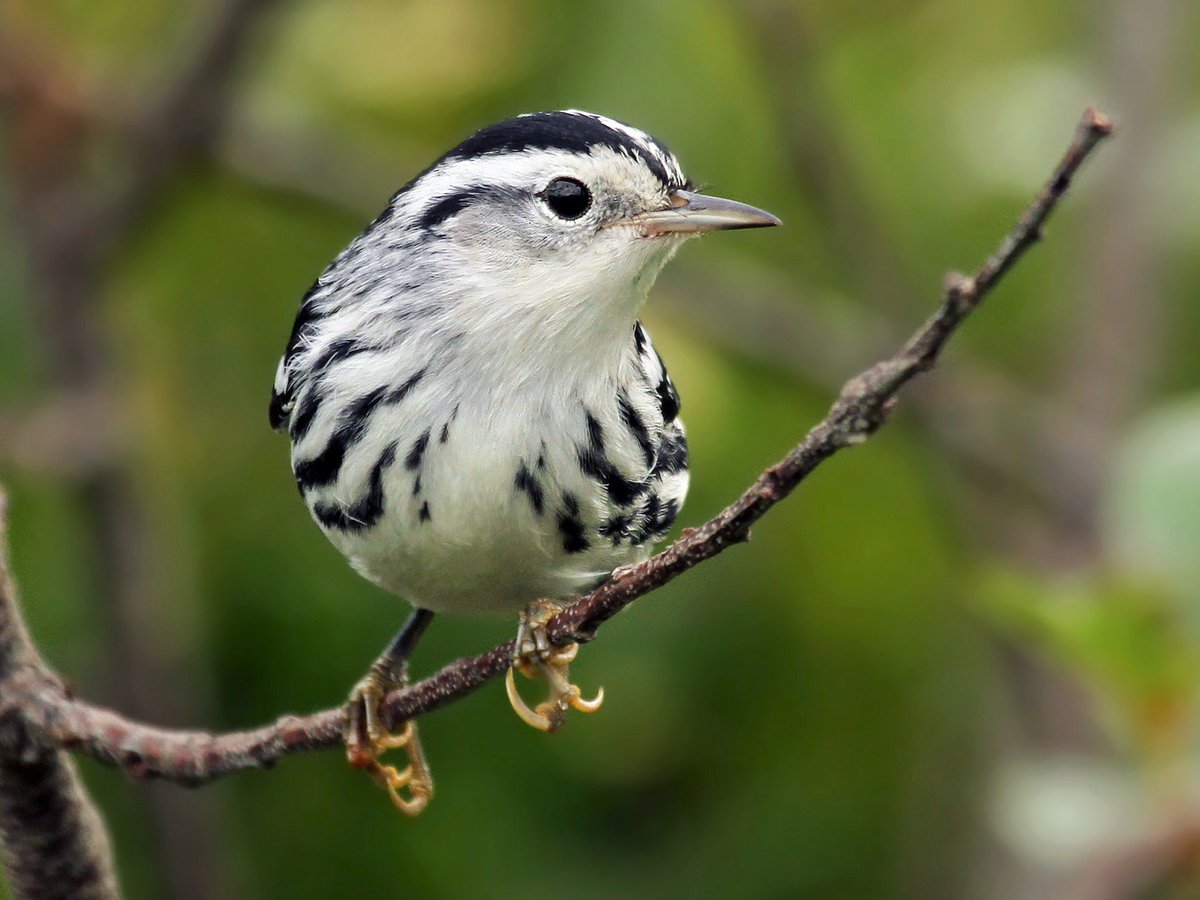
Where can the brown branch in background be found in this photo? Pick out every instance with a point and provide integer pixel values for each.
(1110, 361)
(74, 217)
(863, 405)
(993, 428)
(852, 224)
(52, 841)
(186, 117)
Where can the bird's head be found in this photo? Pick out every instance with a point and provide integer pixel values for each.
(556, 213)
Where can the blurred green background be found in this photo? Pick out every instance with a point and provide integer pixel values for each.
(961, 661)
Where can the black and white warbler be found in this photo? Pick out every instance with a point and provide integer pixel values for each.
(478, 420)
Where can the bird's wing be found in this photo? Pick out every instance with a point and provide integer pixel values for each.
(283, 391)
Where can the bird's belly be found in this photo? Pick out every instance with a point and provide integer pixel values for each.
(472, 535)
(482, 572)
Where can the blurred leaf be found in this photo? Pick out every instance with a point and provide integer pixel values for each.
(1151, 510)
(1123, 640)
(1058, 811)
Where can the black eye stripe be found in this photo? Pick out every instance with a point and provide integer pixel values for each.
(568, 198)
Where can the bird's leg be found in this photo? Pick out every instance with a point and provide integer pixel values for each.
(366, 737)
(534, 655)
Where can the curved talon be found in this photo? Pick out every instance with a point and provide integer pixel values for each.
(552, 664)
(533, 718)
(588, 706)
(367, 740)
(420, 789)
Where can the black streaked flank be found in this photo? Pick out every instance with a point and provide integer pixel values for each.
(413, 461)
(668, 512)
(570, 525)
(668, 398)
(399, 393)
(639, 338)
(323, 468)
(337, 351)
(615, 528)
(649, 514)
(365, 511)
(657, 517)
(302, 326)
(672, 454)
(595, 462)
(525, 481)
(276, 411)
(423, 515)
(636, 426)
(304, 412)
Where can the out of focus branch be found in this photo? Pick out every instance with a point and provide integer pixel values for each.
(863, 405)
(52, 842)
(186, 117)
(1110, 357)
(854, 230)
(73, 220)
(74, 215)
(996, 431)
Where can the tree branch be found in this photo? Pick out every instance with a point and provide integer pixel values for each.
(864, 404)
(187, 116)
(81, 184)
(52, 842)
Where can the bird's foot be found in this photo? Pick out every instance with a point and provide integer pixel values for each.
(533, 656)
(367, 740)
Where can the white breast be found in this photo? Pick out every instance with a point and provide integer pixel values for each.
(485, 503)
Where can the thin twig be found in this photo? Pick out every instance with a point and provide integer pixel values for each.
(862, 407)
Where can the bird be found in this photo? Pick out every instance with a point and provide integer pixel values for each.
(478, 419)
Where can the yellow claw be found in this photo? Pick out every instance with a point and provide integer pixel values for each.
(533, 718)
(420, 789)
(414, 776)
(550, 714)
(588, 706)
(368, 740)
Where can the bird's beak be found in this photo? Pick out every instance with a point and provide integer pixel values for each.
(691, 213)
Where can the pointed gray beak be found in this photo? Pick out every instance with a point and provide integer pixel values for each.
(691, 213)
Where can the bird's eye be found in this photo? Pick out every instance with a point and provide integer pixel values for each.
(567, 197)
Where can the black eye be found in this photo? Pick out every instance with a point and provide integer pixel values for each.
(568, 198)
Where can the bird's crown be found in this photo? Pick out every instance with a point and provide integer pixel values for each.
(573, 131)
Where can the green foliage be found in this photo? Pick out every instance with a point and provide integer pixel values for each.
(1132, 633)
(1127, 642)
